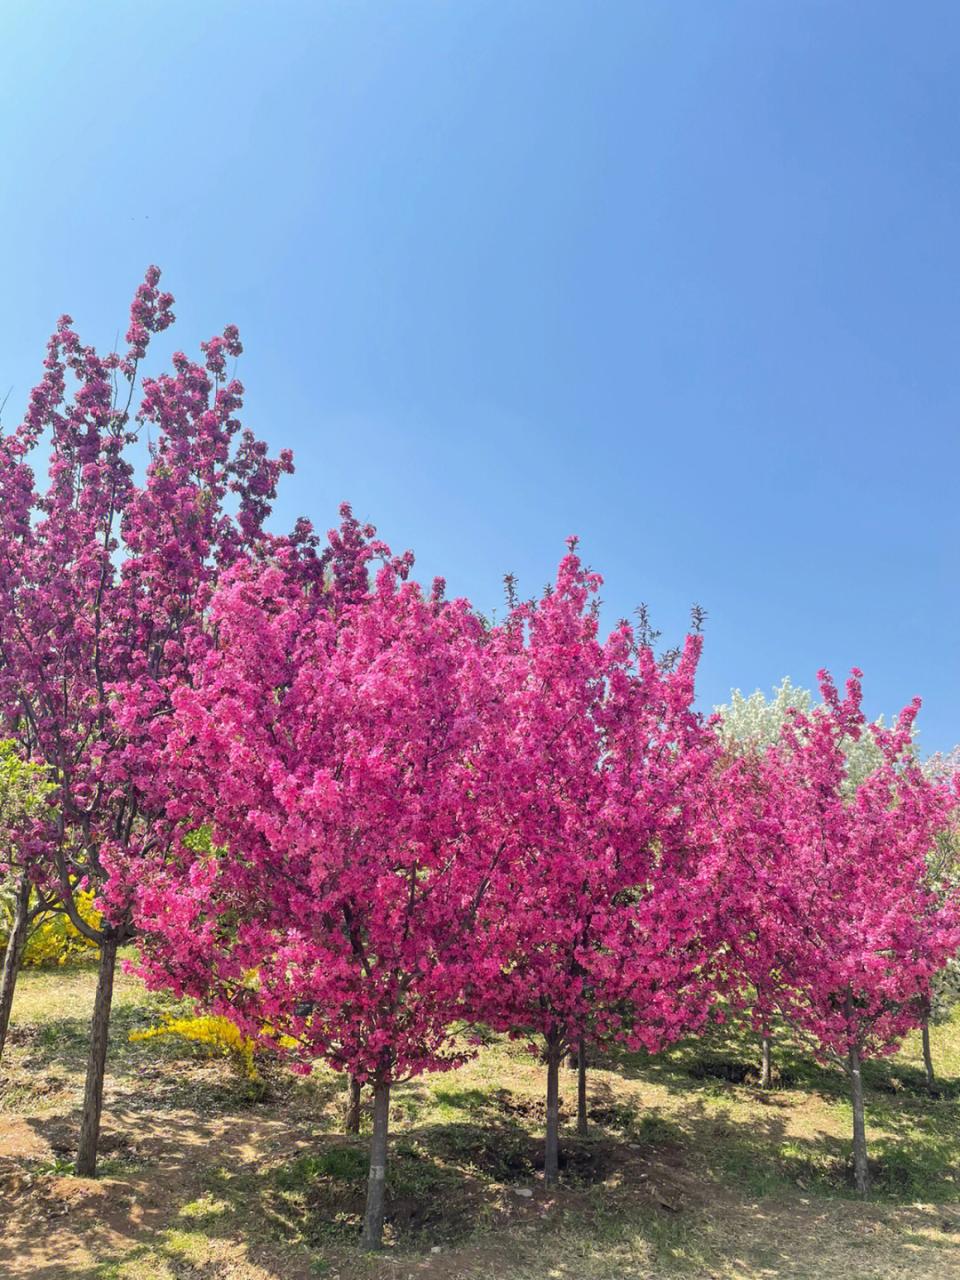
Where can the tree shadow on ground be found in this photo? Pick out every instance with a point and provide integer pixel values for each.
(732, 1054)
(763, 1157)
(642, 1175)
(153, 1170)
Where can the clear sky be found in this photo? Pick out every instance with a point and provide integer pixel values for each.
(679, 277)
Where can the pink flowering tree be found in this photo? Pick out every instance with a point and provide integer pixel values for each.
(748, 817)
(604, 923)
(853, 934)
(345, 752)
(104, 587)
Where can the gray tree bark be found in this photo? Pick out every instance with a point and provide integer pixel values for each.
(351, 1122)
(765, 1071)
(14, 955)
(582, 1089)
(551, 1157)
(861, 1170)
(97, 1062)
(372, 1236)
(927, 1055)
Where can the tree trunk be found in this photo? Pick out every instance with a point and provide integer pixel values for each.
(765, 1076)
(351, 1122)
(551, 1156)
(927, 1055)
(582, 1089)
(14, 955)
(96, 1065)
(861, 1172)
(372, 1237)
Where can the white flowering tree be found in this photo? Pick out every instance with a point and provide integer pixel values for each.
(755, 720)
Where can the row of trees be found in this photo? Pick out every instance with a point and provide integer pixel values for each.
(751, 725)
(358, 819)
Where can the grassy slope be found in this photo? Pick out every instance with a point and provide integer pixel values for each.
(686, 1172)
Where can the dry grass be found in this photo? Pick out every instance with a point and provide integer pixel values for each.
(687, 1172)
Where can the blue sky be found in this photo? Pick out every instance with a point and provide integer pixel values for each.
(681, 278)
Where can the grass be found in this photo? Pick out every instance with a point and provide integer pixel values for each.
(689, 1170)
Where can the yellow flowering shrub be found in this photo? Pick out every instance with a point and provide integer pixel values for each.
(55, 940)
(219, 1036)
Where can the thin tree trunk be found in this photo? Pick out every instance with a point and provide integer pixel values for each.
(551, 1156)
(927, 1055)
(14, 955)
(861, 1172)
(351, 1122)
(96, 1065)
(372, 1237)
(765, 1074)
(582, 1089)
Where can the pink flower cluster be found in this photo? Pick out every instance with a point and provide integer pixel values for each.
(418, 821)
